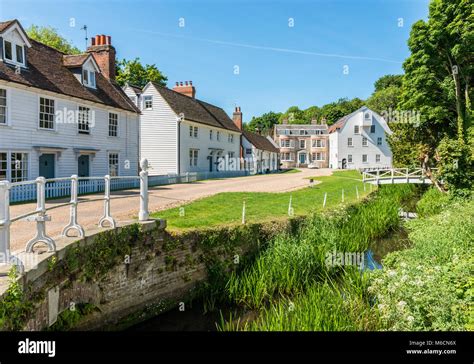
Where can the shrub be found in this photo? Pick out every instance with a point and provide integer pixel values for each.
(432, 203)
(430, 286)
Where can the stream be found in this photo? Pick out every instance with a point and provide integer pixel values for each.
(194, 318)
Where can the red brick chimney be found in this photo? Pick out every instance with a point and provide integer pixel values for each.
(104, 54)
(237, 117)
(185, 88)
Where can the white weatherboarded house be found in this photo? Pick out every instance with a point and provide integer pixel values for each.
(179, 133)
(359, 141)
(62, 114)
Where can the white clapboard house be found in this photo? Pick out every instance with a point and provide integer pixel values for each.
(180, 133)
(62, 114)
(359, 141)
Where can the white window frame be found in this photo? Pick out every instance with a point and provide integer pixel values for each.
(350, 142)
(9, 170)
(377, 158)
(91, 79)
(365, 142)
(14, 59)
(196, 132)
(147, 98)
(304, 144)
(116, 126)
(349, 158)
(7, 107)
(289, 159)
(193, 157)
(366, 158)
(84, 131)
(109, 155)
(54, 113)
(356, 127)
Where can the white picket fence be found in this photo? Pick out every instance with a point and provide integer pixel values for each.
(61, 187)
(73, 185)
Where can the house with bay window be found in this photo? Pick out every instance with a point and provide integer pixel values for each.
(180, 133)
(62, 114)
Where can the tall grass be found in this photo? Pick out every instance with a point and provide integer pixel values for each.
(292, 263)
(330, 306)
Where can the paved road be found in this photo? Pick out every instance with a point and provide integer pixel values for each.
(162, 197)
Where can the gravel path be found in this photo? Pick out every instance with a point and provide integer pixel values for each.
(161, 197)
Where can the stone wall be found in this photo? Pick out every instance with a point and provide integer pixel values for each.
(132, 272)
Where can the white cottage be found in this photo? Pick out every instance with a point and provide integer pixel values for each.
(359, 141)
(62, 114)
(180, 133)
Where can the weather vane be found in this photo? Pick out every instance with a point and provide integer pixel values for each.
(84, 28)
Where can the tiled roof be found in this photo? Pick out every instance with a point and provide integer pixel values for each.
(46, 71)
(196, 110)
(260, 142)
(74, 60)
(342, 121)
(4, 25)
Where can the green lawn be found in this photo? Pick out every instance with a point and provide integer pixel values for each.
(226, 208)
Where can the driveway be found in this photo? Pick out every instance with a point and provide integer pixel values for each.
(160, 198)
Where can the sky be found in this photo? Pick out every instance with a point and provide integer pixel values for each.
(262, 55)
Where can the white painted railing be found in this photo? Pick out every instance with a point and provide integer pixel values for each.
(61, 187)
(395, 175)
(40, 216)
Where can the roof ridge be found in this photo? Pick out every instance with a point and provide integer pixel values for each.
(210, 113)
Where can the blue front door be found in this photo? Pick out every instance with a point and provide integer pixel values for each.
(83, 166)
(46, 165)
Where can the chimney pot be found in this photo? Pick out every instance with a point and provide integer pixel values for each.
(105, 58)
(191, 83)
(186, 83)
(237, 117)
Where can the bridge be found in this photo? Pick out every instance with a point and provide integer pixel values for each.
(395, 175)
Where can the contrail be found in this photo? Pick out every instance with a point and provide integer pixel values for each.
(273, 49)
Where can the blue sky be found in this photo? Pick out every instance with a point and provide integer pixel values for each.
(278, 65)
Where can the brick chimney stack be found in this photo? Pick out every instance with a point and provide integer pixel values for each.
(237, 117)
(185, 88)
(104, 54)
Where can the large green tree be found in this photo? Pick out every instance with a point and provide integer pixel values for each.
(264, 123)
(438, 85)
(51, 37)
(333, 111)
(137, 74)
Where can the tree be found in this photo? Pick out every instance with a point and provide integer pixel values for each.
(137, 74)
(263, 123)
(51, 37)
(438, 84)
(332, 112)
(312, 113)
(388, 81)
(385, 100)
(293, 116)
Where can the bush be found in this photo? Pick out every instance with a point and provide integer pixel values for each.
(433, 202)
(430, 286)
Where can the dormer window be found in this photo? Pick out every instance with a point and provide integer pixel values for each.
(88, 78)
(13, 53)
